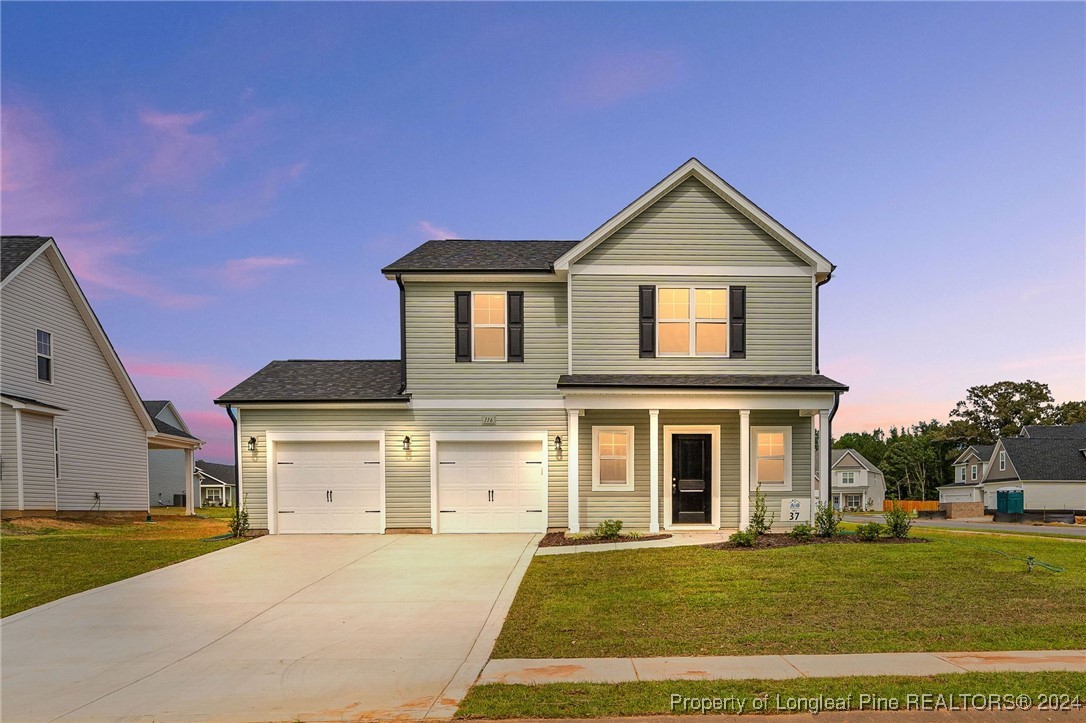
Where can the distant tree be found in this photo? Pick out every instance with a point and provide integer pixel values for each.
(1070, 413)
(999, 410)
(871, 445)
(913, 464)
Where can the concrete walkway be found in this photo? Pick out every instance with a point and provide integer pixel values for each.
(677, 539)
(774, 667)
(321, 627)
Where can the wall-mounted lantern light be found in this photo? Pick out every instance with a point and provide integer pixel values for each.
(406, 444)
(558, 444)
(252, 444)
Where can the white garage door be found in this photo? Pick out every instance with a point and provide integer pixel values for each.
(491, 487)
(328, 487)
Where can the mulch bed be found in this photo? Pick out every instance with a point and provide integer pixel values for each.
(559, 539)
(780, 539)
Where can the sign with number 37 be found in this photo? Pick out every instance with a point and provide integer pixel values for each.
(795, 510)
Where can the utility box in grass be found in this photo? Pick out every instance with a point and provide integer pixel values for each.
(1010, 502)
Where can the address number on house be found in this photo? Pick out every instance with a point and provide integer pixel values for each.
(795, 510)
(489, 421)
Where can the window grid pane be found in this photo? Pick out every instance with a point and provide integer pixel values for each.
(674, 304)
(711, 304)
(489, 343)
(711, 338)
(45, 343)
(674, 337)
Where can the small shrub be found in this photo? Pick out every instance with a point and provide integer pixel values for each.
(743, 538)
(869, 531)
(827, 521)
(760, 522)
(898, 522)
(609, 529)
(802, 532)
(239, 523)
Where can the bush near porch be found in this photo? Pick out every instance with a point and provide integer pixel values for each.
(954, 593)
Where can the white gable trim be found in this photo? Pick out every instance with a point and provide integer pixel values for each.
(696, 169)
(67, 279)
(177, 416)
(860, 460)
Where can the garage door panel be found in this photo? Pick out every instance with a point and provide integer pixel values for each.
(329, 487)
(490, 486)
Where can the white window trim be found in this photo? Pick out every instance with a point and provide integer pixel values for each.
(773, 486)
(50, 356)
(851, 478)
(1002, 460)
(504, 327)
(598, 486)
(665, 482)
(972, 472)
(963, 473)
(692, 321)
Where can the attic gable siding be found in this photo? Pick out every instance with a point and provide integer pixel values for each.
(167, 416)
(100, 423)
(994, 475)
(691, 226)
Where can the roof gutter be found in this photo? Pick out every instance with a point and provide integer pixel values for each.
(403, 334)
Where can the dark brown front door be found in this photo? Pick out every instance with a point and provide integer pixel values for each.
(691, 479)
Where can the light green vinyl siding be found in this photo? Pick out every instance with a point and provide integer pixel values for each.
(407, 474)
(779, 326)
(630, 506)
(691, 225)
(432, 369)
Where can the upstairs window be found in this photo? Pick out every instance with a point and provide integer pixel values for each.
(488, 326)
(962, 475)
(973, 472)
(772, 458)
(1002, 460)
(848, 478)
(692, 322)
(45, 356)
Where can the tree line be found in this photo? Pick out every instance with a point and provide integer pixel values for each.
(916, 460)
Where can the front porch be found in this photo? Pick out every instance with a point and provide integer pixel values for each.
(691, 460)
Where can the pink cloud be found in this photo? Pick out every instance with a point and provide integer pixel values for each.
(248, 272)
(612, 79)
(433, 231)
(178, 154)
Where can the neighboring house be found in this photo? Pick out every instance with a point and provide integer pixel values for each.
(74, 434)
(857, 484)
(1048, 463)
(166, 467)
(218, 484)
(656, 371)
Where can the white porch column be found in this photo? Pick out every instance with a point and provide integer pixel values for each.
(824, 470)
(190, 486)
(574, 492)
(654, 471)
(744, 468)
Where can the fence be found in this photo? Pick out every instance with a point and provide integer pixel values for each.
(912, 505)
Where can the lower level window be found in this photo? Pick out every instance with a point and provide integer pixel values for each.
(772, 457)
(612, 458)
(853, 502)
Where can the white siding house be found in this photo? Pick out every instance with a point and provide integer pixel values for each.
(857, 483)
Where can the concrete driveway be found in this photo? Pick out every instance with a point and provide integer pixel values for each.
(278, 628)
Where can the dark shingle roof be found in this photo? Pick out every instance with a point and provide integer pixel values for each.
(222, 472)
(1047, 458)
(476, 255)
(155, 406)
(28, 400)
(14, 250)
(1055, 431)
(318, 380)
(809, 382)
(984, 451)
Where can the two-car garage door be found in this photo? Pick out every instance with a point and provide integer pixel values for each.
(329, 486)
(491, 487)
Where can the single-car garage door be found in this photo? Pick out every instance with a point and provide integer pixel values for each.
(491, 487)
(329, 486)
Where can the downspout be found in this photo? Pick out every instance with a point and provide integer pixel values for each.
(403, 334)
(829, 429)
(237, 457)
(817, 315)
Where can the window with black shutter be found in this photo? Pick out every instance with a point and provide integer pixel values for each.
(463, 326)
(515, 300)
(647, 317)
(738, 318)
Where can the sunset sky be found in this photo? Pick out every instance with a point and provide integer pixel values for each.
(227, 180)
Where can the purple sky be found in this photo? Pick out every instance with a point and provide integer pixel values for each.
(227, 180)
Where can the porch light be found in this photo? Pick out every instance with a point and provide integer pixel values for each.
(557, 444)
(252, 444)
(406, 444)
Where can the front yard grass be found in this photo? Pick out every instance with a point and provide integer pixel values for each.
(43, 559)
(955, 593)
(594, 700)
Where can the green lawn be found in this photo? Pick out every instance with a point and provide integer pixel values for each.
(45, 559)
(592, 700)
(955, 592)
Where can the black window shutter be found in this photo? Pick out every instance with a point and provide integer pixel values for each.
(515, 310)
(463, 326)
(647, 335)
(738, 322)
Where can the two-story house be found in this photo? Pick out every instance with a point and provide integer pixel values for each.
(657, 371)
(857, 483)
(166, 468)
(74, 433)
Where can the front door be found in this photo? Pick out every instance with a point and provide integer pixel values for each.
(691, 479)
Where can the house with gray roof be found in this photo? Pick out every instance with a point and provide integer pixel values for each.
(1046, 462)
(659, 370)
(858, 485)
(218, 483)
(166, 471)
(75, 437)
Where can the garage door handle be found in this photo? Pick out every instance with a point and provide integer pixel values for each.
(284, 463)
(539, 462)
(286, 512)
(446, 510)
(373, 511)
(533, 510)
